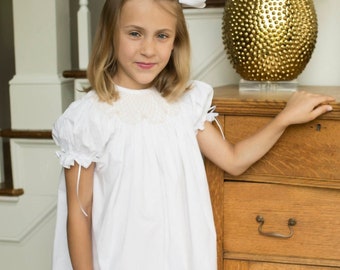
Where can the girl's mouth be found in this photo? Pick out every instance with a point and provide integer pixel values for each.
(143, 65)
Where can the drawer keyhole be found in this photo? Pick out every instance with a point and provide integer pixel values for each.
(291, 223)
(318, 127)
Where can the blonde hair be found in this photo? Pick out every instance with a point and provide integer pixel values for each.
(171, 82)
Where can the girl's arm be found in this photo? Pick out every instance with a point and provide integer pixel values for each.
(78, 225)
(235, 159)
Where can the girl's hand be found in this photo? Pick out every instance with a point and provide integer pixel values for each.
(304, 107)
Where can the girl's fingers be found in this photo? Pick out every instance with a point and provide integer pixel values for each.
(321, 109)
(304, 106)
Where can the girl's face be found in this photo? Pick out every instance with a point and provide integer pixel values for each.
(145, 42)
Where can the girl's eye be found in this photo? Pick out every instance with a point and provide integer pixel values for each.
(163, 36)
(134, 34)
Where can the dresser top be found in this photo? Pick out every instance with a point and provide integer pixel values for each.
(230, 101)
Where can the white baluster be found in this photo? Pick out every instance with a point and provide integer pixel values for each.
(84, 34)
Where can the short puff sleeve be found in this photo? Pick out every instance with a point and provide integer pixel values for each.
(199, 99)
(81, 132)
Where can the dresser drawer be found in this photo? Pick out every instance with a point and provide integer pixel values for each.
(253, 265)
(316, 211)
(308, 151)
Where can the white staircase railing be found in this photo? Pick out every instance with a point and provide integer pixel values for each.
(84, 45)
(84, 34)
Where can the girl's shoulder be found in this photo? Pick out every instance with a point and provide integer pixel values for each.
(88, 103)
(203, 86)
(88, 108)
(197, 102)
(86, 113)
(199, 93)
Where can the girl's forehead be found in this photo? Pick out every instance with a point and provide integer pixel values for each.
(157, 13)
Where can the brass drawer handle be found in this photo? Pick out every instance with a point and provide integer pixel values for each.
(291, 223)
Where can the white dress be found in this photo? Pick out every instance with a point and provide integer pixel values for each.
(151, 205)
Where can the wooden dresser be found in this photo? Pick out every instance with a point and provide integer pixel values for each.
(297, 182)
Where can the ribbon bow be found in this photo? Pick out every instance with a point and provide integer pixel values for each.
(193, 3)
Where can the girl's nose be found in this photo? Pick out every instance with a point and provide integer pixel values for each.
(148, 47)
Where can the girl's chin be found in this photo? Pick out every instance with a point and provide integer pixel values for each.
(137, 83)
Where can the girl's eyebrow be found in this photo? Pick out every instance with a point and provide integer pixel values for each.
(132, 26)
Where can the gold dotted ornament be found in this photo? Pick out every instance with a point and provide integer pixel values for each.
(269, 40)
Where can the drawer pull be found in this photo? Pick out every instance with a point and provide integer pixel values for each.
(291, 223)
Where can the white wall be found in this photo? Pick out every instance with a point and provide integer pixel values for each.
(324, 66)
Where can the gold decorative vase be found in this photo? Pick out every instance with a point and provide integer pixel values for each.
(269, 40)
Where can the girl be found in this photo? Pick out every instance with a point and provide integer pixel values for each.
(134, 194)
